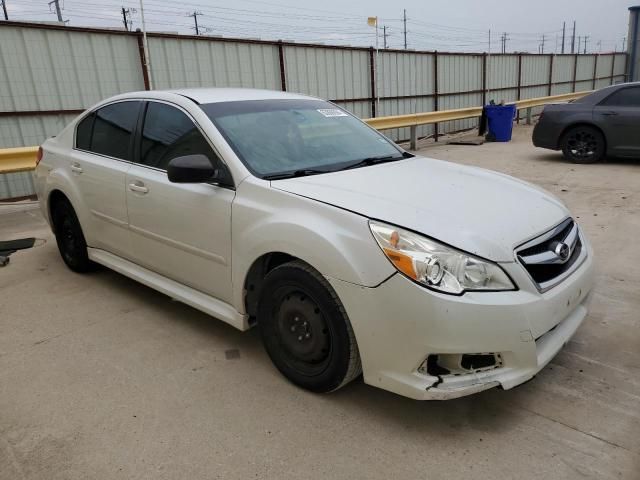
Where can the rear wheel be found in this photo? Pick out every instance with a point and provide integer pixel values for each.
(305, 329)
(583, 144)
(69, 237)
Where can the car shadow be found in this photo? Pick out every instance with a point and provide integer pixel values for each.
(557, 157)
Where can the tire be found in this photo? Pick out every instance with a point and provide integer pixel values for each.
(583, 144)
(305, 329)
(69, 237)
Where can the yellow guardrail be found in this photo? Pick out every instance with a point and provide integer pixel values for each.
(24, 159)
(414, 119)
(13, 160)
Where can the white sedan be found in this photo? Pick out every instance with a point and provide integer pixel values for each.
(433, 280)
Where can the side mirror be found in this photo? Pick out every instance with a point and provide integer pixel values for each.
(192, 169)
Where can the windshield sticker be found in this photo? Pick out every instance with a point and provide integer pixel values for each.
(332, 112)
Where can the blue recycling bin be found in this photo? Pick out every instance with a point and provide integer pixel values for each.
(500, 121)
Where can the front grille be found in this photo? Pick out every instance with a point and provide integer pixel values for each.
(552, 257)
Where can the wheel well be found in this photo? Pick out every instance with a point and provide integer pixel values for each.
(583, 124)
(255, 279)
(55, 197)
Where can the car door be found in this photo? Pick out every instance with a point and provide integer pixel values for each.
(619, 117)
(181, 231)
(99, 162)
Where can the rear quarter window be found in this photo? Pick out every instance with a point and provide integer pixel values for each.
(83, 132)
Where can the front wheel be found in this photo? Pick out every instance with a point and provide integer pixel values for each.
(305, 329)
(583, 144)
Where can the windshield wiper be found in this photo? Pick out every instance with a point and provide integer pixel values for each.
(365, 162)
(297, 173)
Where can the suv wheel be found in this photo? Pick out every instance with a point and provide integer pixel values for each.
(305, 329)
(69, 237)
(583, 144)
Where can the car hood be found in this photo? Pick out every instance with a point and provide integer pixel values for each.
(479, 211)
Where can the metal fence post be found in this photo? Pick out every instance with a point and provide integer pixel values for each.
(595, 70)
(529, 116)
(143, 60)
(435, 92)
(519, 93)
(551, 58)
(575, 71)
(613, 67)
(283, 73)
(372, 74)
(484, 78)
(413, 129)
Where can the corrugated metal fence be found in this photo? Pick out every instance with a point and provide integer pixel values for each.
(48, 74)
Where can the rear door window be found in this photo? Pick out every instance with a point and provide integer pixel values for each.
(109, 130)
(625, 97)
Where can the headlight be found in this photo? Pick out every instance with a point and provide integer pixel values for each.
(435, 265)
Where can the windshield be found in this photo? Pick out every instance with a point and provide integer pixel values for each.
(275, 138)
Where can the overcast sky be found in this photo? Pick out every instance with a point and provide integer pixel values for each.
(451, 25)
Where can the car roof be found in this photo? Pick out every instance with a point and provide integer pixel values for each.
(215, 95)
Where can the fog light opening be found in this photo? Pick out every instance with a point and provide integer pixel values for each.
(439, 365)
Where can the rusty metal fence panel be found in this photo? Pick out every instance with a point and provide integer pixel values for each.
(42, 69)
(186, 63)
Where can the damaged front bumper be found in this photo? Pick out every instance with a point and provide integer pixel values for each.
(399, 325)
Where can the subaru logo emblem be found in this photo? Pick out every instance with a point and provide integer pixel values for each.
(562, 251)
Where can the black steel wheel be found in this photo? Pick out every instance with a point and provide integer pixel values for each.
(69, 237)
(305, 329)
(583, 144)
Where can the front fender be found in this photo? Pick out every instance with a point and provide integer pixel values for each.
(335, 242)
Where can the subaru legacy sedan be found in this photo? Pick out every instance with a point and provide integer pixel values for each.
(352, 256)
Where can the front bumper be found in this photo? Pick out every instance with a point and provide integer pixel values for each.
(399, 324)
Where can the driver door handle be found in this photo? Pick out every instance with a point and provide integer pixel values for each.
(609, 113)
(76, 168)
(138, 187)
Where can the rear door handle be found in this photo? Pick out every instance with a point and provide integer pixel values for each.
(76, 168)
(138, 186)
(609, 113)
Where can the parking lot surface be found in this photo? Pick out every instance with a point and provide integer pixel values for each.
(101, 377)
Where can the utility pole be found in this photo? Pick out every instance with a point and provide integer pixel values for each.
(542, 45)
(579, 44)
(573, 38)
(126, 17)
(404, 19)
(58, 11)
(195, 20)
(384, 35)
(564, 27)
(4, 9)
(624, 42)
(586, 39)
(599, 46)
(504, 39)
